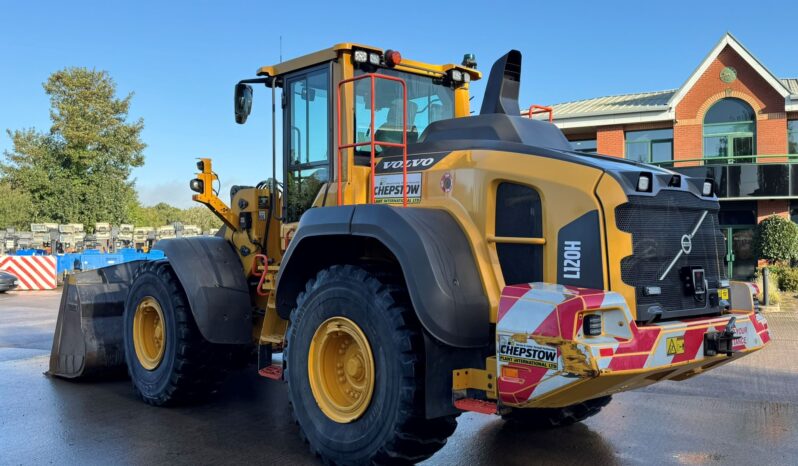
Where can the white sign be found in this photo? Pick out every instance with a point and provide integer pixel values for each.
(388, 188)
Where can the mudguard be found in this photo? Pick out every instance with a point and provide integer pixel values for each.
(435, 256)
(213, 278)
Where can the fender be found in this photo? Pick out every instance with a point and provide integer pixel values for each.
(213, 279)
(434, 255)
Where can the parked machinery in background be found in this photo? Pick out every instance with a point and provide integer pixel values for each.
(40, 235)
(141, 238)
(166, 232)
(124, 239)
(102, 235)
(24, 240)
(10, 241)
(191, 230)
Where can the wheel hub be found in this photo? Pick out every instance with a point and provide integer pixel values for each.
(341, 369)
(149, 338)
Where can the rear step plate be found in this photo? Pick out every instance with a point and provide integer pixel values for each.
(274, 372)
(477, 406)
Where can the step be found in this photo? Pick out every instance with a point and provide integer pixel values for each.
(477, 406)
(274, 372)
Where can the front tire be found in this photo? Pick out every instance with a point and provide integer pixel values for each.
(167, 357)
(347, 307)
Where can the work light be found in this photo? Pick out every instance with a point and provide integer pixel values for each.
(374, 58)
(644, 183)
(197, 185)
(456, 75)
(707, 191)
(360, 56)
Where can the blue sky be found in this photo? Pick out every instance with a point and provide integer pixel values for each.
(182, 58)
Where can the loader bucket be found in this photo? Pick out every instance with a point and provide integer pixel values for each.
(88, 334)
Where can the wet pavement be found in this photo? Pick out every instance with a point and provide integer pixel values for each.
(744, 413)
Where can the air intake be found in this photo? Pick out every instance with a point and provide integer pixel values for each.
(501, 93)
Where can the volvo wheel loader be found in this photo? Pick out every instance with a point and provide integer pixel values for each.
(416, 261)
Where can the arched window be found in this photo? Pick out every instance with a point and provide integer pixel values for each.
(730, 132)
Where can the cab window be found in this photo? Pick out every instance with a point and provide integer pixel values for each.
(308, 133)
(428, 100)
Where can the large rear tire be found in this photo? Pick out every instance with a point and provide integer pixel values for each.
(167, 358)
(548, 418)
(355, 372)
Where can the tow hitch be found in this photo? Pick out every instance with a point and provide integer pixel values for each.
(720, 342)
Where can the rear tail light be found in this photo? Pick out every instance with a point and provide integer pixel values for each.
(592, 325)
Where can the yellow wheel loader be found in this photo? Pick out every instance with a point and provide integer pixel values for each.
(416, 261)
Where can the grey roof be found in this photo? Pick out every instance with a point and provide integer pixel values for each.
(629, 103)
(791, 84)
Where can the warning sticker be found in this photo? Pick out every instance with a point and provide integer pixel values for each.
(388, 188)
(675, 345)
(530, 353)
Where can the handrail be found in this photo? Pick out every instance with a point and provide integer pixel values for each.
(516, 240)
(791, 158)
(373, 142)
(535, 109)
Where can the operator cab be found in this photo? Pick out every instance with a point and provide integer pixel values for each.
(313, 132)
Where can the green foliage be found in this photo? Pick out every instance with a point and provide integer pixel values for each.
(776, 239)
(165, 214)
(302, 193)
(16, 207)
(787, 279)
(78, 170)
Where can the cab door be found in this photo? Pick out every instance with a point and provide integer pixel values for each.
(307, 135)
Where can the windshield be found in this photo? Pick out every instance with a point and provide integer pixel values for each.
(428, 100)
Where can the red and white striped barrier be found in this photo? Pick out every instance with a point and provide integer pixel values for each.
(33, 272)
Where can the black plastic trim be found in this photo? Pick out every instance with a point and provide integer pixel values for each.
(435, 256)
(213, 279)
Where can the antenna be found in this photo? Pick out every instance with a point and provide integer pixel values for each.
(281, 49)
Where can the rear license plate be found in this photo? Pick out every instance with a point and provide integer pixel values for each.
(723, 293)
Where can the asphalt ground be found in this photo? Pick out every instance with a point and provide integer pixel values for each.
(742, 413)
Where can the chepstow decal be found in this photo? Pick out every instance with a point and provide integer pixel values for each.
(415, 163)
(388, 188)
(530, 353)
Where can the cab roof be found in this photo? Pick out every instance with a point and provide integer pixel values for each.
(333, 52)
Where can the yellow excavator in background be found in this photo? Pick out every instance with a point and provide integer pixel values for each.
(415, 262)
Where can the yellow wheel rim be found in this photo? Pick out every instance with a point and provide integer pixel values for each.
(341, 369)
(149, 339)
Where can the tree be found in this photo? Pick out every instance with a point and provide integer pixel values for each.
(776, 239)
(165, 214)
(200, 216)
(16, 207)
(79, 170)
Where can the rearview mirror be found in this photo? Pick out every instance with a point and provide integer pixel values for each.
(242, 102)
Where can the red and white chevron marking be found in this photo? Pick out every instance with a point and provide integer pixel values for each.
(32, 272)
(554, 315)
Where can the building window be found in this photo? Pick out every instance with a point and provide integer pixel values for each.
(587, 146)
(650, 146)
(792, 137)
(729, 132)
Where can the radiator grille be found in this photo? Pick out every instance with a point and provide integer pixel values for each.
(657, 224)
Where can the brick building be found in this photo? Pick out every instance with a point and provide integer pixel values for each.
(732, 120)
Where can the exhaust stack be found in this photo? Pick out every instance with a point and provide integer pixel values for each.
(501, 92)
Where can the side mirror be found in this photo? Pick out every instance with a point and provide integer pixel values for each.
(242, 102)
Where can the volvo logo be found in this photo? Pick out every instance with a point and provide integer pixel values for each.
(687, 244)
